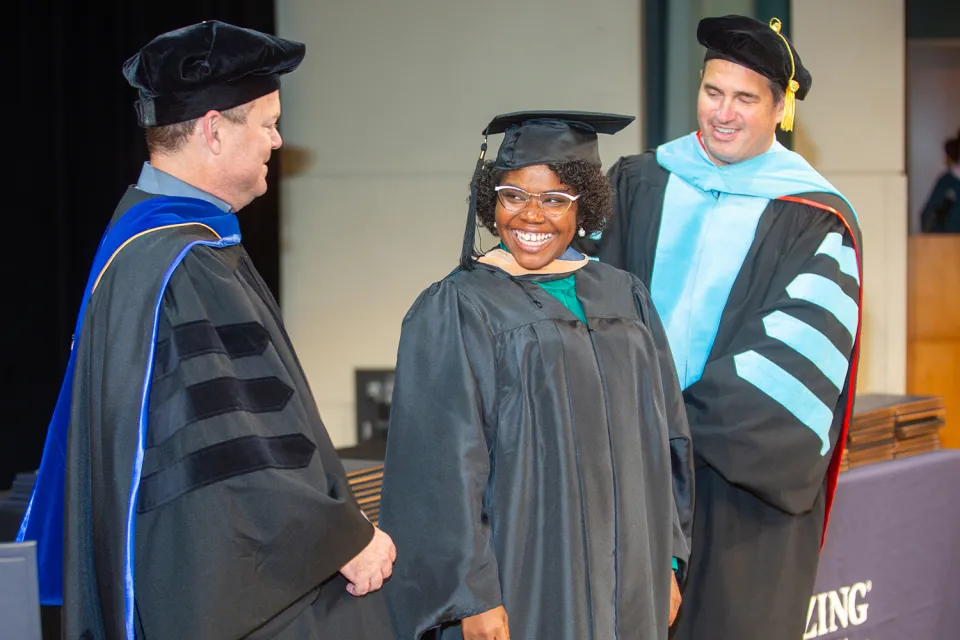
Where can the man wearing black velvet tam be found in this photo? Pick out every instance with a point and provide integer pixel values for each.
(188, 487)
(753, 262)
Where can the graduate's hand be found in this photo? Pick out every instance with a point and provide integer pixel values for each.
(675, 598)
(367, 571)
(489, 625)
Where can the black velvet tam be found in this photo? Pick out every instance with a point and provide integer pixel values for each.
(182, 74)
(551, 137)
(756, 46)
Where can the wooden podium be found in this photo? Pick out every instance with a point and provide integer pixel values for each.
(933, 324)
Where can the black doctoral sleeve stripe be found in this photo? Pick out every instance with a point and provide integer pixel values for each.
(826, 266)
(193, 339)
(804, 371)
(221, 461)
(213, 398)
(823, 322)
(244, 339)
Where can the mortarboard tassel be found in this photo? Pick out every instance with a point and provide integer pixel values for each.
(789, 106)
(790, 99)
(470, 233)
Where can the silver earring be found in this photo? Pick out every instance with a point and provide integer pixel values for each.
(494, 224)
(581, 233)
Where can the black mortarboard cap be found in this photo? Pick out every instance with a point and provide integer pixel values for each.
(759, 47)
(182, 74)
(540, 137)
(551, 137)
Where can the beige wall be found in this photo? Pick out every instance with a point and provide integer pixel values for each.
(852, 129)
(386, 112)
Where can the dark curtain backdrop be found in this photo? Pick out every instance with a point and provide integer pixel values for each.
(75, 148)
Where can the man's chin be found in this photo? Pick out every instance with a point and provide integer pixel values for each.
(250, 197)
(723, 152)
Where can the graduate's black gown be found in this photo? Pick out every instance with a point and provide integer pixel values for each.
(536, 462)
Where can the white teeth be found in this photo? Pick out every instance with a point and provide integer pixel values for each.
(722, 130)
(533, 239)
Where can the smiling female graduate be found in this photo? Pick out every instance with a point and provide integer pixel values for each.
(539, 471)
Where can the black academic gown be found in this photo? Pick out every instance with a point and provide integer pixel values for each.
(534, 462)
(763, 485)
(244, 515)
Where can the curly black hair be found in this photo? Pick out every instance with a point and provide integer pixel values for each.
(596, 194)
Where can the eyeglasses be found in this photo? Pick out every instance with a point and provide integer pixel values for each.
(552, 203)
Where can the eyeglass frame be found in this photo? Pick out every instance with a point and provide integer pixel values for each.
(537, 197)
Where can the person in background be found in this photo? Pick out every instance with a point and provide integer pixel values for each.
(941, 213)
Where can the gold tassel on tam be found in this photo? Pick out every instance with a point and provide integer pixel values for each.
(790, 100)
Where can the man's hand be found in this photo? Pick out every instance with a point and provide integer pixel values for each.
(674, 598)
(367, 571)
(489, 625)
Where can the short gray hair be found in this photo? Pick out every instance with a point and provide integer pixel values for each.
(170, 138)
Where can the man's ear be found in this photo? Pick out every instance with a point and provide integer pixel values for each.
(211, 123)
